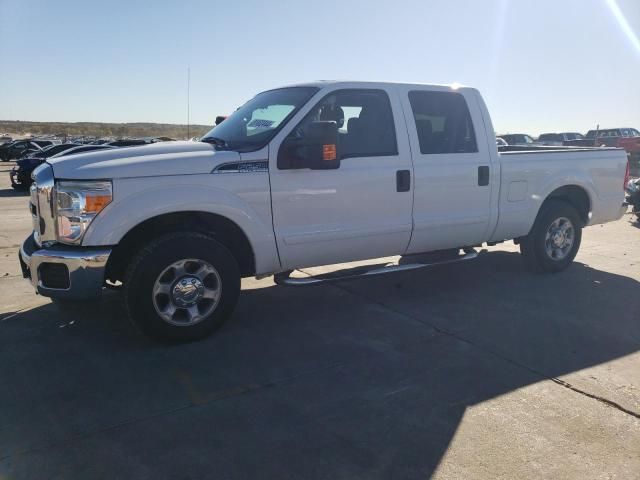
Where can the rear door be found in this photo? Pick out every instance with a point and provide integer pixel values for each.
(361, 209)
(452, 165)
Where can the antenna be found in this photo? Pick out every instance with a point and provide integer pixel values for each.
(188, 103)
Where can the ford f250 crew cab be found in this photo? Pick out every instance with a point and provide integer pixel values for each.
(307, 175)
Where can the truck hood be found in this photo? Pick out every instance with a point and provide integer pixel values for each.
(164, 158)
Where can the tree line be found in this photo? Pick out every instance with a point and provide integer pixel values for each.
(96, 129)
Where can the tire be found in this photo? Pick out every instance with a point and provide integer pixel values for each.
(540, 253)
(181, 287)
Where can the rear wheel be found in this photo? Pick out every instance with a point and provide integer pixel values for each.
(555, 238)
(181, 287)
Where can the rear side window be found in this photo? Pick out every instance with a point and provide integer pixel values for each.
(443, 122)
(364, 119)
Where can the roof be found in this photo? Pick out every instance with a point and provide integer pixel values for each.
(356, 83)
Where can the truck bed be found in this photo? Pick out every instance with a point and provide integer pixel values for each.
(530, 174)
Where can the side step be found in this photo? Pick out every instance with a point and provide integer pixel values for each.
(285, 278)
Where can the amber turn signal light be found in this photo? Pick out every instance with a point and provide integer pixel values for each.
(95, 203)
(329, 152)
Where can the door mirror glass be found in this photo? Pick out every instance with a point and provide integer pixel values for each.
(314, 146)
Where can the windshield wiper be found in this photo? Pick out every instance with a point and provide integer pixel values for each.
(218, 142)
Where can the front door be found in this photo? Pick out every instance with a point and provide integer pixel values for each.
(361, 209)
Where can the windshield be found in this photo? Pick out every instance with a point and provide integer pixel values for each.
(255, 123)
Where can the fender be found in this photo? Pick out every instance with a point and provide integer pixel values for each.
(566, 179)
(139, 199)
(550, 183)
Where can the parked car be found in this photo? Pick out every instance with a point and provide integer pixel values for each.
(609, 137)
(558, 139)
(519, 139)
(51, 150)
(270, 190)
(501, 142)
(19, 148)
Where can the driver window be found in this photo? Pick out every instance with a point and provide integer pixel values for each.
(364, 120)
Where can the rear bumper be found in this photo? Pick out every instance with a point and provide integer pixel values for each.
(62, 271)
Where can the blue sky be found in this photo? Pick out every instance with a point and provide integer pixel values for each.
(542, 65)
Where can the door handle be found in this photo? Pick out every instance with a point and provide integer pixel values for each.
(403, 180)
(483, 176)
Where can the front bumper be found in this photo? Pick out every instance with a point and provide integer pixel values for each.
(63, 271)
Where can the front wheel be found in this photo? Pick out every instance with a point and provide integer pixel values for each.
(555, 238)
(181, 287)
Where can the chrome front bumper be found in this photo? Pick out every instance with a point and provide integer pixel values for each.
(82, 278)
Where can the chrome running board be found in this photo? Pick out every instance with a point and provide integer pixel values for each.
(285, 278)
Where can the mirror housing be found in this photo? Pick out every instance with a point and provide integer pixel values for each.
(316, 148)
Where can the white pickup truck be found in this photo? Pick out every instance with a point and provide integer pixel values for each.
(300, 176)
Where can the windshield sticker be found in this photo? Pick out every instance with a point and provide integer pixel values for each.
(257, 123)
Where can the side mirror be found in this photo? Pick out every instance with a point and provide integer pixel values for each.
(316, 148)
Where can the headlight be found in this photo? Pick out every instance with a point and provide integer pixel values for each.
(77, 204)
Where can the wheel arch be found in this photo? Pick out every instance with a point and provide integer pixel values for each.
(576, 196)
(224, 230)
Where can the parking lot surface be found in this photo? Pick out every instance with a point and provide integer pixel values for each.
(474, 370)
